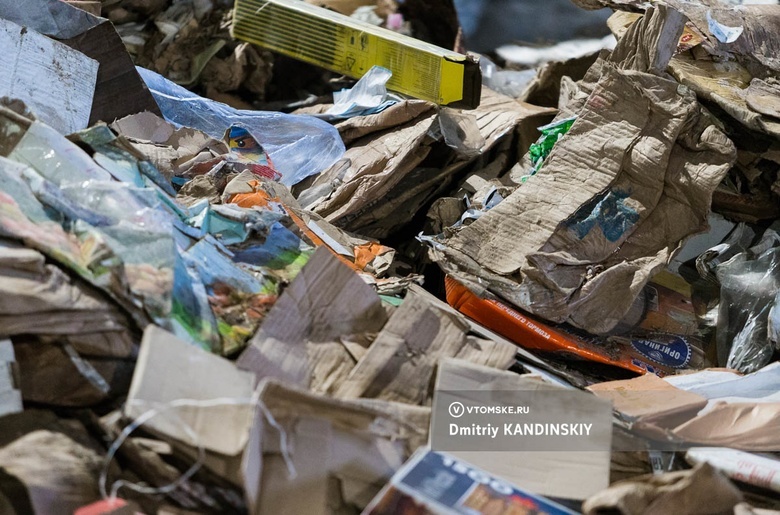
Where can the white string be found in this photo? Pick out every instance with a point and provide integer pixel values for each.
(262, 7)
(179, 403)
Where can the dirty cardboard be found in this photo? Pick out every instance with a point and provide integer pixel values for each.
(316, 455)
(300, 341)
(400, 363)
(551, 271)
(703, 408)
(701, 490)
(64, 78)
(164, 362)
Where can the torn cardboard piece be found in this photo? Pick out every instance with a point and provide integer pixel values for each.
(217, 399)
(702, 490)
(475, 327)
(650, 400)
(300, 340)
(703, 408)
(395, 115)
(622, 175)
(400, 363)
(10, 395)
(56, 82)
(173, 151)
(378, 162)
(568, 475)
(762, 96)
(389, 177)
(55, 473)
(118, 90)
(317, 455)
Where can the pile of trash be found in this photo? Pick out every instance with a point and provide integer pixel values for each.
(262, 256)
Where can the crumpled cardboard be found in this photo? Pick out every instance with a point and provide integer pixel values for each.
(321, 456)
(54, 474)
(701, 491)
(39, 298)
(580, 239)
(387, 176)
(174, 151)
(725, 83)
(301, 340)
(478, 329)
(756, 47)
(74, 371)
(378, 162)
(400, 363)
(762, 96)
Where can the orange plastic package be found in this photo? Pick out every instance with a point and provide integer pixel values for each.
(537, 336)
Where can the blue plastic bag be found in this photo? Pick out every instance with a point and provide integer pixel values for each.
(300, 146)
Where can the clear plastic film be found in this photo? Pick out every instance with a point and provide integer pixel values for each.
(750, 282)
(300, 146)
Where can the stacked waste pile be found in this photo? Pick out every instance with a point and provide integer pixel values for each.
(257, 256)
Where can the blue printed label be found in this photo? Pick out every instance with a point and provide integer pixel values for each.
(676, 353)
(610, 213)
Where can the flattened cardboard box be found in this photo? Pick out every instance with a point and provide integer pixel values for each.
(344, 45)
(168, 370)
(55, 81)
(317, 455)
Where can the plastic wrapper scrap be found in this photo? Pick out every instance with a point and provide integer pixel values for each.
(300, 146)
(109, 217)
(749, 306)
